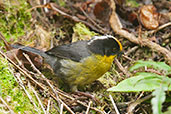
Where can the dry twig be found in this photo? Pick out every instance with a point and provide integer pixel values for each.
(74, 18)
(61, 109)
(3, 101)
(88, 108)
(27, 93)
(122, 68)
(35, 93)
(57, 97)
(114, 105)
(160, 27)
(48, 106)
(134, 104)
(117, 28)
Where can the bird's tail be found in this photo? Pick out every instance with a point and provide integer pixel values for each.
(30, 49)
(47, 58)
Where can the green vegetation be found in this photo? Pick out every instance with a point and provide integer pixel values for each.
(11, 92)
(146, 81)
(15, 20)
(132, 3)
(81, 32)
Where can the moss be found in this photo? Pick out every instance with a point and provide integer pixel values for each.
(132, 3)
(81, 32)
(14, 19)
(11, 91)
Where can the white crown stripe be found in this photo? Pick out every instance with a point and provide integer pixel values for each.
(100, 38)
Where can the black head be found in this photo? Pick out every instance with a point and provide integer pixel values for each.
(105, 45)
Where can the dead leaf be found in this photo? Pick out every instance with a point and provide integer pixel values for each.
(149, 17)
(102, 10)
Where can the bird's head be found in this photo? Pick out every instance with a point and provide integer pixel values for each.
(105, 45)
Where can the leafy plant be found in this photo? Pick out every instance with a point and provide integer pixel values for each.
(159, 98)
(147, 81)
(142, 82)
(151, 64)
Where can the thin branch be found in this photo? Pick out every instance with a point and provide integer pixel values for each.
(57, 97)
(24, 72)
(61, 109)
(160, 27)
(74, 18)
(7, 45)
(105, 31)
(27, 93)
(134, 104)
(131, 50)
(122, 68)
(48, 106)
(35, 93)
(47, 81)
(117, 28)
(88, 108)
(3, 101)
(114, 105)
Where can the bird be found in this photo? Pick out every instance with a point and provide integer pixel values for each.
(82, 62)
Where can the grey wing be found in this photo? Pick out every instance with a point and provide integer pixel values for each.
(74, 51)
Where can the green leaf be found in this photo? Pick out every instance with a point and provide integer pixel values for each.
(156, 65)
(159, 98)
(142, 82)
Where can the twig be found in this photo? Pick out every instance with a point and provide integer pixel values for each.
(7, 46)
(24, 72)
(3, 101)
(61, 109)
(33, 66)
(57, 97)
(74, 18)
(27, 93)
(83, 104)
(114, 105)
(122, 68)
(48, 106)
(88, 108)
(65, 105)
(131, 50)
(117, 28)
(160, 27)
(126, 57)
(134, 104)
(105, 31)
(35, 93)
(38, 6)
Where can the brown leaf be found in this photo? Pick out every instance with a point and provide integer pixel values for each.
(149, 17)
(102, 10)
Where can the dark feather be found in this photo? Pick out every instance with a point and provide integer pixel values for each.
(75, 51)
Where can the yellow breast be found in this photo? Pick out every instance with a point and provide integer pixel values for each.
(88, 70)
